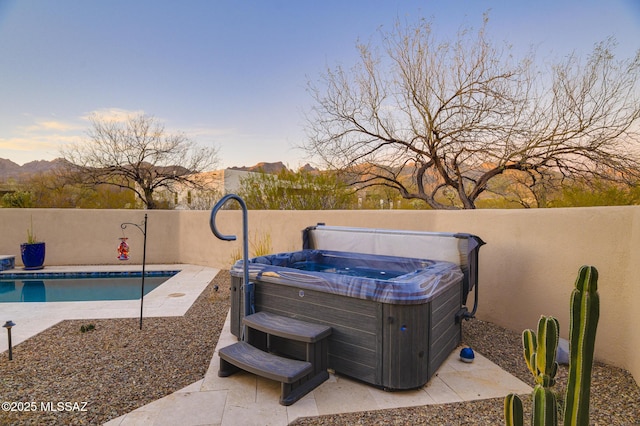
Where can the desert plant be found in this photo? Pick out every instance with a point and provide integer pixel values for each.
(540, 351)
(513, 412)
(260, 245)
(31, 235)
(33, 251)
(302, 190)
(540, 356)
(17, 199)
(585, 311)
(87, 328)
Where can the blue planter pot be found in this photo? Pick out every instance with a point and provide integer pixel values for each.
(33, 255)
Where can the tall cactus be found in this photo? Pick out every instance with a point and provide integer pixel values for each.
(585, 311)
(540, 356)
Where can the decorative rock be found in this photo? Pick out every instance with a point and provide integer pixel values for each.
(562, 356)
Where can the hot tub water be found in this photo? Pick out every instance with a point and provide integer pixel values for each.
(354, 272)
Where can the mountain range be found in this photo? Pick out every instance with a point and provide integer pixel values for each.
(10, 170)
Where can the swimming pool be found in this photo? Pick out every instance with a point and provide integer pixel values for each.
(76, 287)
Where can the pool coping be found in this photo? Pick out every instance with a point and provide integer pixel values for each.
(128, 268)
(30, 275)
(173, 298)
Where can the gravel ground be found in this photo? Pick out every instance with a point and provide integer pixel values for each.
(116, 368)
(615, 397)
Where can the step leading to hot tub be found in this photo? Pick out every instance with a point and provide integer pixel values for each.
(287, 350)
(288, 328)
(270, 366)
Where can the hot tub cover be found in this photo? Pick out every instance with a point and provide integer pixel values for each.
(419, 282)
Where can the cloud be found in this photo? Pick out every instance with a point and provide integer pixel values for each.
(48, 126)
(58, 126)
(22, 150)
(40, 143)
(41, 139)
(118, 115)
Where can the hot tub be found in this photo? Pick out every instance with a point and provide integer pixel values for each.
(394, 319)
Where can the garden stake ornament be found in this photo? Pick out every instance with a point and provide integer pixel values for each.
(123, 248)
(123, 254)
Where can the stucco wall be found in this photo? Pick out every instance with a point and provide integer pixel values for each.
(527, 267)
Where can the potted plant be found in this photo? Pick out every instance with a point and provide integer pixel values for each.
(32, 251)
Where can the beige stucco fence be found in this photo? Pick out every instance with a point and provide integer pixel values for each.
(527, 267)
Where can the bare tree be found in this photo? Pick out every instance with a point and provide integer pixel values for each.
(139, 155)
(455, 115)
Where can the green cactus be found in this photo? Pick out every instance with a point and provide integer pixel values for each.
(540, 356)
(530, 344)
(513, 412)
(585, 311)
(545, 406)
(544, 356)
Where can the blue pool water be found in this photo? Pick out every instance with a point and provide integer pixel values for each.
(75, 288)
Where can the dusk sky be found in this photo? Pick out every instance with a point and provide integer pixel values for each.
(234, 73)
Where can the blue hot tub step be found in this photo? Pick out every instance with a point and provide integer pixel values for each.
(300, 364)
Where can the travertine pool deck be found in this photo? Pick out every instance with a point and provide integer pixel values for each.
(245, 399)
(173, 298)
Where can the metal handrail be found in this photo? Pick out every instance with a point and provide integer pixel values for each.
(246, 284)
